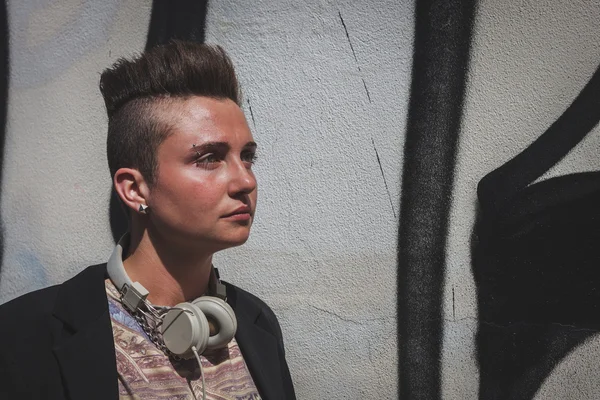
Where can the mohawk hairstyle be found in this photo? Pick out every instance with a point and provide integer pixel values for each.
(136, 91)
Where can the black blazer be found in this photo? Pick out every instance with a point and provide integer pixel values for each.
(57, 343)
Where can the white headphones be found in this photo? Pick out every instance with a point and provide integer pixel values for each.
(186, 325)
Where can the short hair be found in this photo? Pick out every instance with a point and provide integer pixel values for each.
(136, 90)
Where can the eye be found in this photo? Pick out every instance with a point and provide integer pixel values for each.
(207, 161)
(249, 157)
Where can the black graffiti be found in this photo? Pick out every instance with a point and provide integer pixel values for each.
(441, 53)
(182, 19)
(536, 257)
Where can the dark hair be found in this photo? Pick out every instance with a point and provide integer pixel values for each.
(135, 92)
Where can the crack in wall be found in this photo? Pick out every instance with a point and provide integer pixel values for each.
(362, 322)
(366, 89)
(453, 305)
(354, 54)
(384, 180)
(251, 113)
(349, 41)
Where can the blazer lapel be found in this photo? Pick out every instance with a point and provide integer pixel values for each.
(86, 353)
(259, 347)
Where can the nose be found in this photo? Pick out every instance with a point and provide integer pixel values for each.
(242, 181)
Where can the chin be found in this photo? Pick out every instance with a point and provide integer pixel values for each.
(231, 241)
(239, 240)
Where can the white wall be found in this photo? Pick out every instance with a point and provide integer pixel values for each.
(322, 252)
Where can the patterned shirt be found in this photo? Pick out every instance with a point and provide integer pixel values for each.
(145, 372)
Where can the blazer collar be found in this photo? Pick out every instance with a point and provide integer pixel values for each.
(85, 352)
(259, 347)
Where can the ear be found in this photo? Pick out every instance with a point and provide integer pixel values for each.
(131, 187)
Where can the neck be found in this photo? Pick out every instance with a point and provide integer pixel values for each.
(171, 274)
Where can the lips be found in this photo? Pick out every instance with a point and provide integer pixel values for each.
(240, 210)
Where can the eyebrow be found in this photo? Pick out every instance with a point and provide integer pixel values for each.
(221, 146)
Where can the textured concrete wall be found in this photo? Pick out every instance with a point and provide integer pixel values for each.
(326, 88)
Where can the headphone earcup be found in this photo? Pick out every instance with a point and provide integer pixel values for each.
(185, 326)
(221, 313)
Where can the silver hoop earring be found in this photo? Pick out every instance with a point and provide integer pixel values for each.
(143, 209)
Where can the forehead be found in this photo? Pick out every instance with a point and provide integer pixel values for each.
(203, 119)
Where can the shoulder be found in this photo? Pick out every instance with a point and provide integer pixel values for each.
(29, 305)
(248, 300)
(32, 328)
(33, 309)
(247, 297)
(243, 301)
(28, 333)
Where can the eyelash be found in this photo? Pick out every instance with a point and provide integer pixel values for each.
(252, 157)
(205, 160)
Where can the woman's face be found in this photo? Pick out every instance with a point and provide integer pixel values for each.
(205, 191)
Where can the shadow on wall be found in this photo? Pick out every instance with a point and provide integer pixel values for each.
(443, 31)
(536, 257)
(185, 20)
(4, 73)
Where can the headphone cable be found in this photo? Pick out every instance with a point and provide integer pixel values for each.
(195, 350)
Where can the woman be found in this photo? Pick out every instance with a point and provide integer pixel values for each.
(180, 153)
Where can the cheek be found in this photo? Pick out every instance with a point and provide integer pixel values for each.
(204, 198)
(200, 195)
(189, 194)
